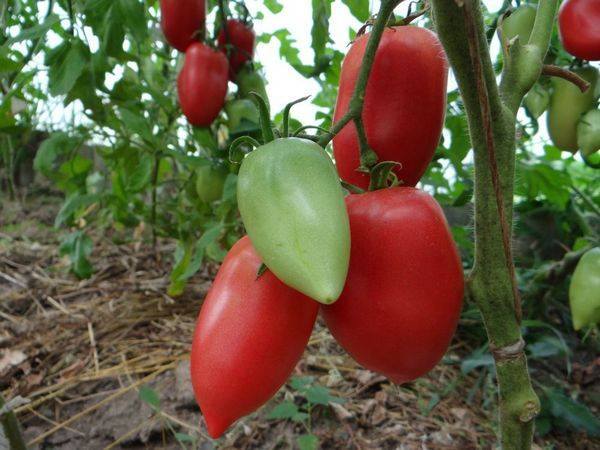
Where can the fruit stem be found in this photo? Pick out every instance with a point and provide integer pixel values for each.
(265, 117)
(555, 71)
(368, 158)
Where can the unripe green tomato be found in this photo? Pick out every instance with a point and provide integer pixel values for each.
(242, 116)
(292, 206)
(210, 181)
(249, 80)
(519, 23)
(588, 132)
(567, 104)
(536, 101)
(584, 291)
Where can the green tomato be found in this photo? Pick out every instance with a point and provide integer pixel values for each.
(242, 116)
(519, 23)
(584, 291)
(536, 101)
(588, 132)
(249, 80)
(292, 206)
(567, 104)
(210, 181)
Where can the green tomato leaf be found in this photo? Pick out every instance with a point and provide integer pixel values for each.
(574, 413)
(358, 8)
(66, 66)
(149, 396)
(308, 442)
(274, 6)
(319, 395)
(285, 410)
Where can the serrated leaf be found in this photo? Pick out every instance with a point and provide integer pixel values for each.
(136, 123)
(320, 29)
(301, 383)
(133, 15)
(319, 395)
(72, 205)
(285, 410)
(35, 32)
(308, 442)
(57, 144)
(541, 179)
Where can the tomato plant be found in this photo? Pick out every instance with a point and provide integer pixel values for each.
(584, 291)
(397, 98)
(182, 21)
(405, 284)
(250, 334)
(579, 31)
(202, 84)
(519, 23)
(293, 209)
(210, 181)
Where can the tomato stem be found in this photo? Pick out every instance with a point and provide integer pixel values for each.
(555, 71)
(265, 118)
(286, 115)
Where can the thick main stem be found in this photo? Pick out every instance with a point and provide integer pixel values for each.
(492, 127)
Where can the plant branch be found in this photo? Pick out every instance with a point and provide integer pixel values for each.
(367, 156)
(484, 106)
(555, 71)
(223, 18)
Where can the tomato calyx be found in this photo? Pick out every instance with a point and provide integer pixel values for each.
(383, 176)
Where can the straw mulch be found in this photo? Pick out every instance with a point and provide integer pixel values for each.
(75, 355)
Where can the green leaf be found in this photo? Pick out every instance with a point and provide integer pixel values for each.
(135, 122)
(74, 204)
(274, 6)
(308, 442)
(574, 413)
(301, 383)
(358, 8)
(66, 65)
(46, 157)
(78, 246)
(133, 14)
(35, 32)
(149, 396)
(320, 28)
(479, 358)
(141, 174)
(112, 33)
(541, 179)
(319, 395)
(285, 410)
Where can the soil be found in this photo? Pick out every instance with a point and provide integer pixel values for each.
(83, 360)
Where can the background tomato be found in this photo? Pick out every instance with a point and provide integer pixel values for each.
(292, 206)
(579, 28)
(242, 116)
(250, 80)
(584, 291)
(209, 182)
(404, 290)
(404, 103)
(536, 101)
(519, 23)
(588, 132)
(202, 84)
(567, 104)
(181, 20)
(241, 38)
(250, 334)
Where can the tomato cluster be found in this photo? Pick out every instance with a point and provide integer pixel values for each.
(368, 258)
(202, 82)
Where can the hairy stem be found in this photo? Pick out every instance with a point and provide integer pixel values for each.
(491, 114)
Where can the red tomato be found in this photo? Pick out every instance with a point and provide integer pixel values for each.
(241, 38)
(403, 295)
(404, 104)
(250, 334)
(202, 84)
(180, 20)
(579, 27)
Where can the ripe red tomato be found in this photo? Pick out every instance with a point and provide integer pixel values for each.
(250, 334)
(241, 38)
(404, 107)
(180, 20)
(202, 84)
(403, 295)
(579, 27)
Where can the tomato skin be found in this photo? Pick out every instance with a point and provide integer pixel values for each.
(210, 182)
(588, 132)
(404, 103)
(180, 20)
(202, 84)
(567, 104)
(584, 290)
(292, 206)
(578, 28)
(242, 40)
(403, 295)
(249, 336)
(519, 23)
